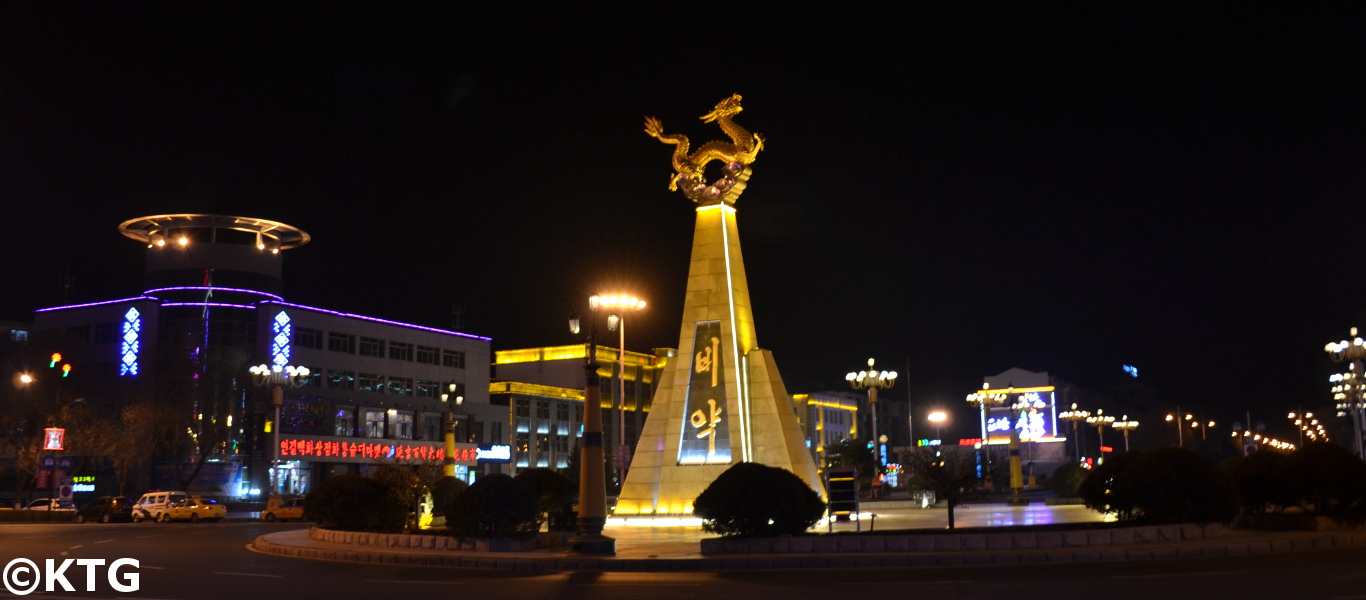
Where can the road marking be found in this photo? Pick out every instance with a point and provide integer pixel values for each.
(248, 574)
(143, 537)
(933, 582)
(413, 581)
(104, 541)
(76, 546)
(1171, 575)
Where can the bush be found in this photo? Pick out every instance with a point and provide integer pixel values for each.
(1261, 482)
(355, 502)
(750, 499)
(1066, 480)
(554, 493)
(444, 493)
(1166, 485)
(1328, 480)
(495, 506)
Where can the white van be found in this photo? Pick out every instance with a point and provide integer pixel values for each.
(150, 506)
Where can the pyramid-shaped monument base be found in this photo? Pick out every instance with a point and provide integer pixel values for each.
(722, 401)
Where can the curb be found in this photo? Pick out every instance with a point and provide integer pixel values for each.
(1211, 548)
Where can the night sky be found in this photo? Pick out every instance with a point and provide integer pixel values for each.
(1059, 187)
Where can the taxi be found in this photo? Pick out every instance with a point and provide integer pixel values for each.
(288, 509)
(195, 510)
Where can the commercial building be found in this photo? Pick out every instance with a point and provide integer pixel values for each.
(212, 307)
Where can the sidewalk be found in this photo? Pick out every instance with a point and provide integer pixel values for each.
(678, 548)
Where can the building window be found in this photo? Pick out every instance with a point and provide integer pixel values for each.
(341, 380)
(372, 347)
(370, 382)
(308, 338)
(104, 333)
(543, 410)
(428, 355)
(521, 449)
(427, 389)
(374, 423)
(79, 333)
(561, 412)
(344, 422)
(496, 430)
(431, 427)
(314, 379)
(341, 342)
(400, 425)
(401, 386)
(453, 358)
(399, 351)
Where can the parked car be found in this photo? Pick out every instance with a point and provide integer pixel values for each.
(289, 509)
(195, 510)
(46, 504)
(107, 509)
(150, 506)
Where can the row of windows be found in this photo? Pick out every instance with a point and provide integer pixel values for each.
(346, 343)
(342, 379)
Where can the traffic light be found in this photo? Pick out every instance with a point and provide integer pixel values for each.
(66, 369)
(56, 358)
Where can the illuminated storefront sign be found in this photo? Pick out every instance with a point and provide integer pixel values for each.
(1032, 413)
(84, 483)
(705, 438)
(331, 449)
(494, 453)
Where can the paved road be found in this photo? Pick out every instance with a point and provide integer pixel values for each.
(211, 561)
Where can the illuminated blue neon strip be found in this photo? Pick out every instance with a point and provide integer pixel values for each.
(212, 289)
(384, 321)
(94, 304)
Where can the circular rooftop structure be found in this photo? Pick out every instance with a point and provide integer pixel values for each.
(160, 230)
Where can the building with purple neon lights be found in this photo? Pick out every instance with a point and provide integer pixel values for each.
(214, 305)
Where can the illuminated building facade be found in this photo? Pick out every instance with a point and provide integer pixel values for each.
(543, 390)
(213, 306)
(1027, 401)
(828, 418)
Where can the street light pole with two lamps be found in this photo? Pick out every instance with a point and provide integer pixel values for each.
(451, 399)
(616, 321)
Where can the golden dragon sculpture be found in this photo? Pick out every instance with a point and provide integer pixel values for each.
(736, 155)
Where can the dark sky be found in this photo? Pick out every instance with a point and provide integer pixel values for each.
(1065, 187)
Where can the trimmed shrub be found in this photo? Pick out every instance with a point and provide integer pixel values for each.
(750, 499)
(356, 503)
(1097, 490)
(495, 506)
(1327, 480)
(1261, 481)
(1165, 485)
(554, 493)
(444, 493)
(1066, 480)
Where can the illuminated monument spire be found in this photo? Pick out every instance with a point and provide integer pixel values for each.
(722, 401)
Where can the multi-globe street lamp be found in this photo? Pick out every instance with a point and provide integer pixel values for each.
(1075, 417)
(1347, 387)
(872, 380)
(277, 377)
(1100, 421)
(616, 321)
(1308, 425)
(1124, 425)
(592, 462)
(451, 399)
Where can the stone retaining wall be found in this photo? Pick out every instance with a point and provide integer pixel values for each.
(417, 541)
(1015, 539)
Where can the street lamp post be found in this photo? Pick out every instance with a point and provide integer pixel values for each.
(1347, 386)
(448, 463)
(938, 417)
(1075, 417)
(592, 466)
(277, 377)
(1100, 420)
(873, 380)
(1176, 418)
(1124, 425)
(617, 322)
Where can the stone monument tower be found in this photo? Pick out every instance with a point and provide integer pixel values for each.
(722, 401)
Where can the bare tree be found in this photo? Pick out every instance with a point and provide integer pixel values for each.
(951, 473)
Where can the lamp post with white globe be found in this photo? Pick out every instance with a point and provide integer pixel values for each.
(872, 380)
(277, 377)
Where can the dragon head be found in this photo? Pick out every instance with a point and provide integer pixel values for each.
(725, 108)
